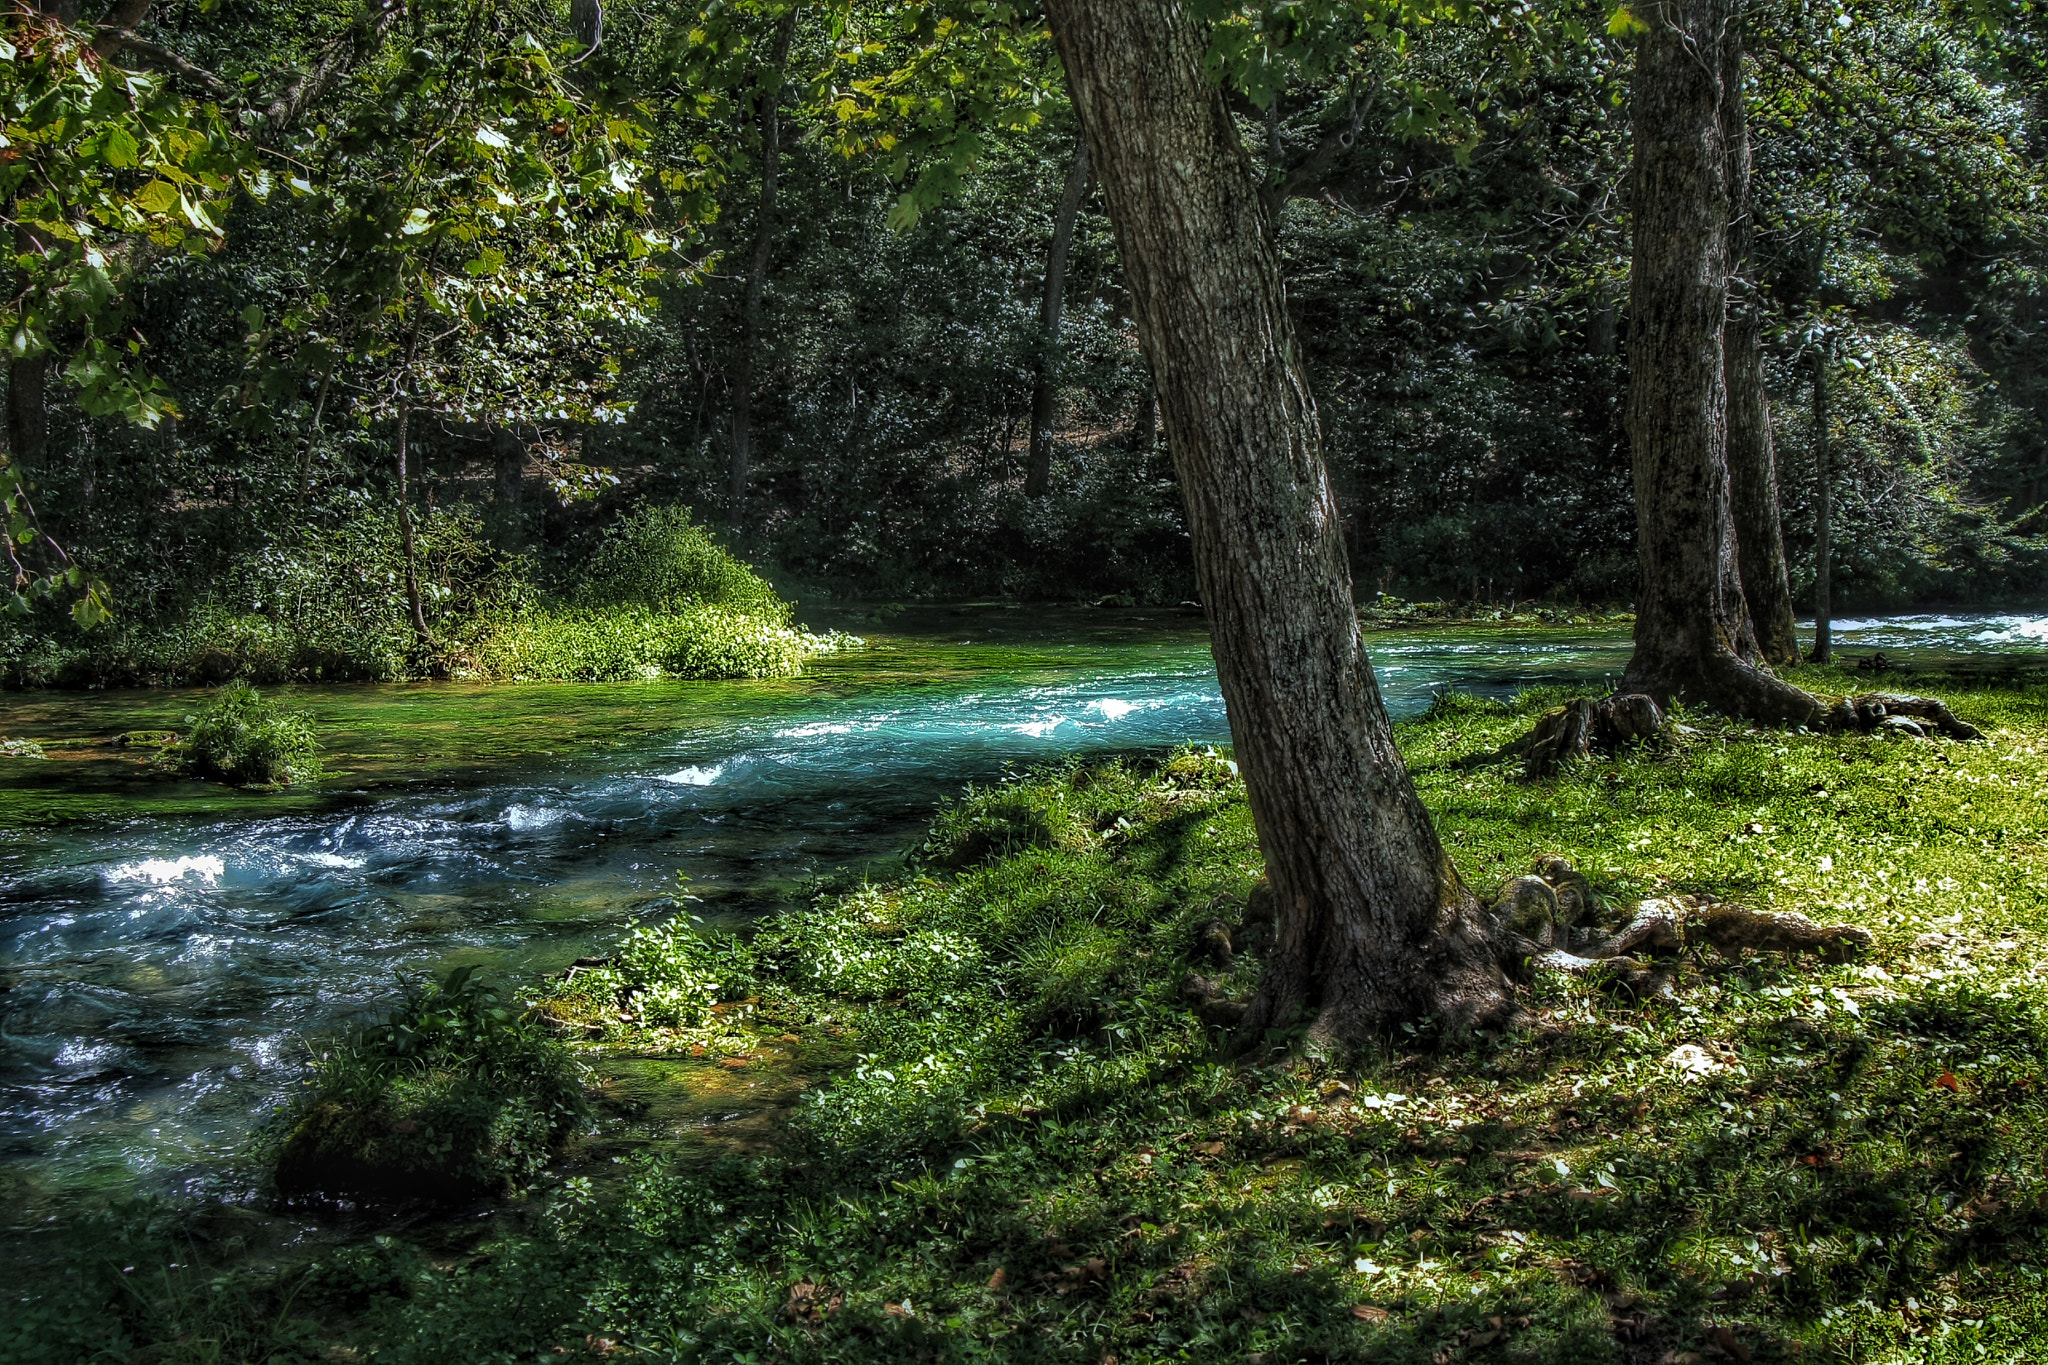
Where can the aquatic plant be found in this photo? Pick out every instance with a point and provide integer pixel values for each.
(243, 739)
(453, 1093)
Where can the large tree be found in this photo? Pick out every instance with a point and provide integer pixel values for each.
(1694, 639)
(1752, 453)
(1374, 923)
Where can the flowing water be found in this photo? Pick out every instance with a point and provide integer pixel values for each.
(165, 947)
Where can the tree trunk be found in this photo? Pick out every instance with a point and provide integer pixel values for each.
(1693, 638)
(423, 638)
(757, 270)
(1145, 427)
(1823, 516)
(509, 454)
(1045, 391)
(1752, 457)
(1373, 923)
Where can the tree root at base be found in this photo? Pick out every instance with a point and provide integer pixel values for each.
(1548, 920)
(1590, 726)
(1551, 921)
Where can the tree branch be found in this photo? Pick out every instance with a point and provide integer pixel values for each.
(366, 35)
(1302, 176)
(125, 18)
(124, 40)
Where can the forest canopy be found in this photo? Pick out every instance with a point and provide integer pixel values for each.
(290, 271)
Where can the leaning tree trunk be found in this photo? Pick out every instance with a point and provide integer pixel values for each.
(1752, 457)
(1045, 390)
(1374, 924)
(1693, 638)
(757, 273)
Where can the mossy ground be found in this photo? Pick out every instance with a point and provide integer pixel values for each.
(1037, 1153)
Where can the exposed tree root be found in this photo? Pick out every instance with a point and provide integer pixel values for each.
(1589, 726)
(1550, 920)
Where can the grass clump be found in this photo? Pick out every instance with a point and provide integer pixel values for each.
(248, 741)
(453, 1094)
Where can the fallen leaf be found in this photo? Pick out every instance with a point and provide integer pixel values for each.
(1209, 1148)
(1947, 1081)
(1369, 1312)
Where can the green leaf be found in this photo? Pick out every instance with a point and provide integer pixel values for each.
(1623, 23)
(119, 148)
(903, 217)
(158, 196)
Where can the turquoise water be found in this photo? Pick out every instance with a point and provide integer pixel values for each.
(161, 965)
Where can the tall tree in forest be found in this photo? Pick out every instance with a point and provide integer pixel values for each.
(1752, 454)
(1693, 635)
(768, 120)
(1374, 924)
(1051, 302)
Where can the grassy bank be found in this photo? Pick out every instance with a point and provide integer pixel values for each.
(1040, 1153)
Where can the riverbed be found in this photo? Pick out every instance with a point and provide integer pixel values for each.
(167, 947)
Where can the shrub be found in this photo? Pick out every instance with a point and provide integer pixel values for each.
(621, 643)
(659, 559)
(244, 739)
(452, 1095)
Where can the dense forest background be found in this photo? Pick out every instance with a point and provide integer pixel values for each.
(1454, 223)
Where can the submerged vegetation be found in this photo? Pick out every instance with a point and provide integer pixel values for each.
(1043, 1151)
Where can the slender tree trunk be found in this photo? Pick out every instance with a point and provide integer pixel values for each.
(757, 271)
(1045, 391)
(1752, 456)
(1145, 427)
(1374, 924)
(1823, 516)
(510, 458)
(406, 545)
(1693, 639)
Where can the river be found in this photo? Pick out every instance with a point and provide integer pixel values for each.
(165, 947)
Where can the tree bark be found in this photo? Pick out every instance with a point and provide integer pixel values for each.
(1693, 638)
(757, 271)
(1051, 303)
(1823, 516)
(1374, 924)
(1752, 456)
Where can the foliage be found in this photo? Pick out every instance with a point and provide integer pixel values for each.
(659, 559)
(243, 739)
(104, 169)
(453, 1093)
(666, 981)
(619, 644)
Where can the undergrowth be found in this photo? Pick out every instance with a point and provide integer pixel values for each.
(1042, 1154)
(657, 598)
(452, 1094)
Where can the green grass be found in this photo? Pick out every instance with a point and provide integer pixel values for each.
(1040, 1154)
